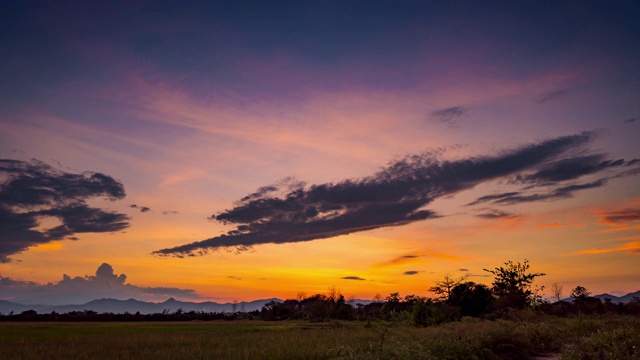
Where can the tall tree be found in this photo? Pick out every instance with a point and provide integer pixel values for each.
(580, 292)
(472, 299)
(557, 288)
(444, 287)
(512, 284)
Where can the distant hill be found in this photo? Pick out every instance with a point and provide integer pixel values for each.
(7, 307)
(614, 299)
(627, 298)
(172, 305)
(133, 306)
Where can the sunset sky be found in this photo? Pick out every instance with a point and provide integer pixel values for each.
(247, 150)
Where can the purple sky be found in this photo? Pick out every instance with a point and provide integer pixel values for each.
(245, 150)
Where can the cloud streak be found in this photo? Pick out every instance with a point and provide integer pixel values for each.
(552, 95)
(562, 192)
(629, 248)
(495, 214)
(622, 216)
(396, 195)
(357, 278)
(449, 115)
(33, 191)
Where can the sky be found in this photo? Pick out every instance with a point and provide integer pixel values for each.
(241, 150)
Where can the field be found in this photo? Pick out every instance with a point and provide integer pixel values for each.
(529, 336)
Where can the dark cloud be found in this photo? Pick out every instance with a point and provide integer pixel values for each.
(622, 216)
(631, 120)
(463, 270)
(550, 96)
(234, 277)
(449, 115)
(169, 212)
(400, 260)
(496, 214)
(562, 192)
(411, 272)
(352, 278)
(569, 169)
(494, 197)
(479, 275)
(286, 185)
(105, 272)
(31, 191)
(394, 196)
(6, 282)
(78, 290)
(141, 208)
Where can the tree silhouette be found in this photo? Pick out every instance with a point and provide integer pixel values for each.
(557, 288)
(580, 292)
(472, 299)
(443, 288)
(512, 284)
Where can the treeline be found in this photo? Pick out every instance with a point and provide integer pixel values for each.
(465, 299)
(91, 316)
(512, 289)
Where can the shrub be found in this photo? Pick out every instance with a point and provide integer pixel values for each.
(613, 344)
(426, 313)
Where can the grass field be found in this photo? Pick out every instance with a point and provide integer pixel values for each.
(575, 338)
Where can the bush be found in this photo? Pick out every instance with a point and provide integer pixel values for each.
(426, 313)
(613, 344)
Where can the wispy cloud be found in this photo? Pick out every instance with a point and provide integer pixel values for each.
(558, 225)
(33, 191)
(551, 95)
(620, 217)
(358, 278)
(403, 259)
(570, 168)
(77, 290)
(558, 179)
(141, 208)
(496, 214)
(630, 247)
(394, 196)
(449, 115)
(562, 192)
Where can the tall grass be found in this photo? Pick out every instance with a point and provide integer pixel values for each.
(523, 337)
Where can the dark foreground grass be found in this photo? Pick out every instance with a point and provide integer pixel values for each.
(521, 338)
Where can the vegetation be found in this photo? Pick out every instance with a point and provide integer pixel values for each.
(443, 288)
(525, 335)
(580, 292)
(466, 321)
(512, 285)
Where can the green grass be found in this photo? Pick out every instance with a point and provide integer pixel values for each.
(575, 338)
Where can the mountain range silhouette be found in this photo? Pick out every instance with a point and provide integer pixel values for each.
(172, 305)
